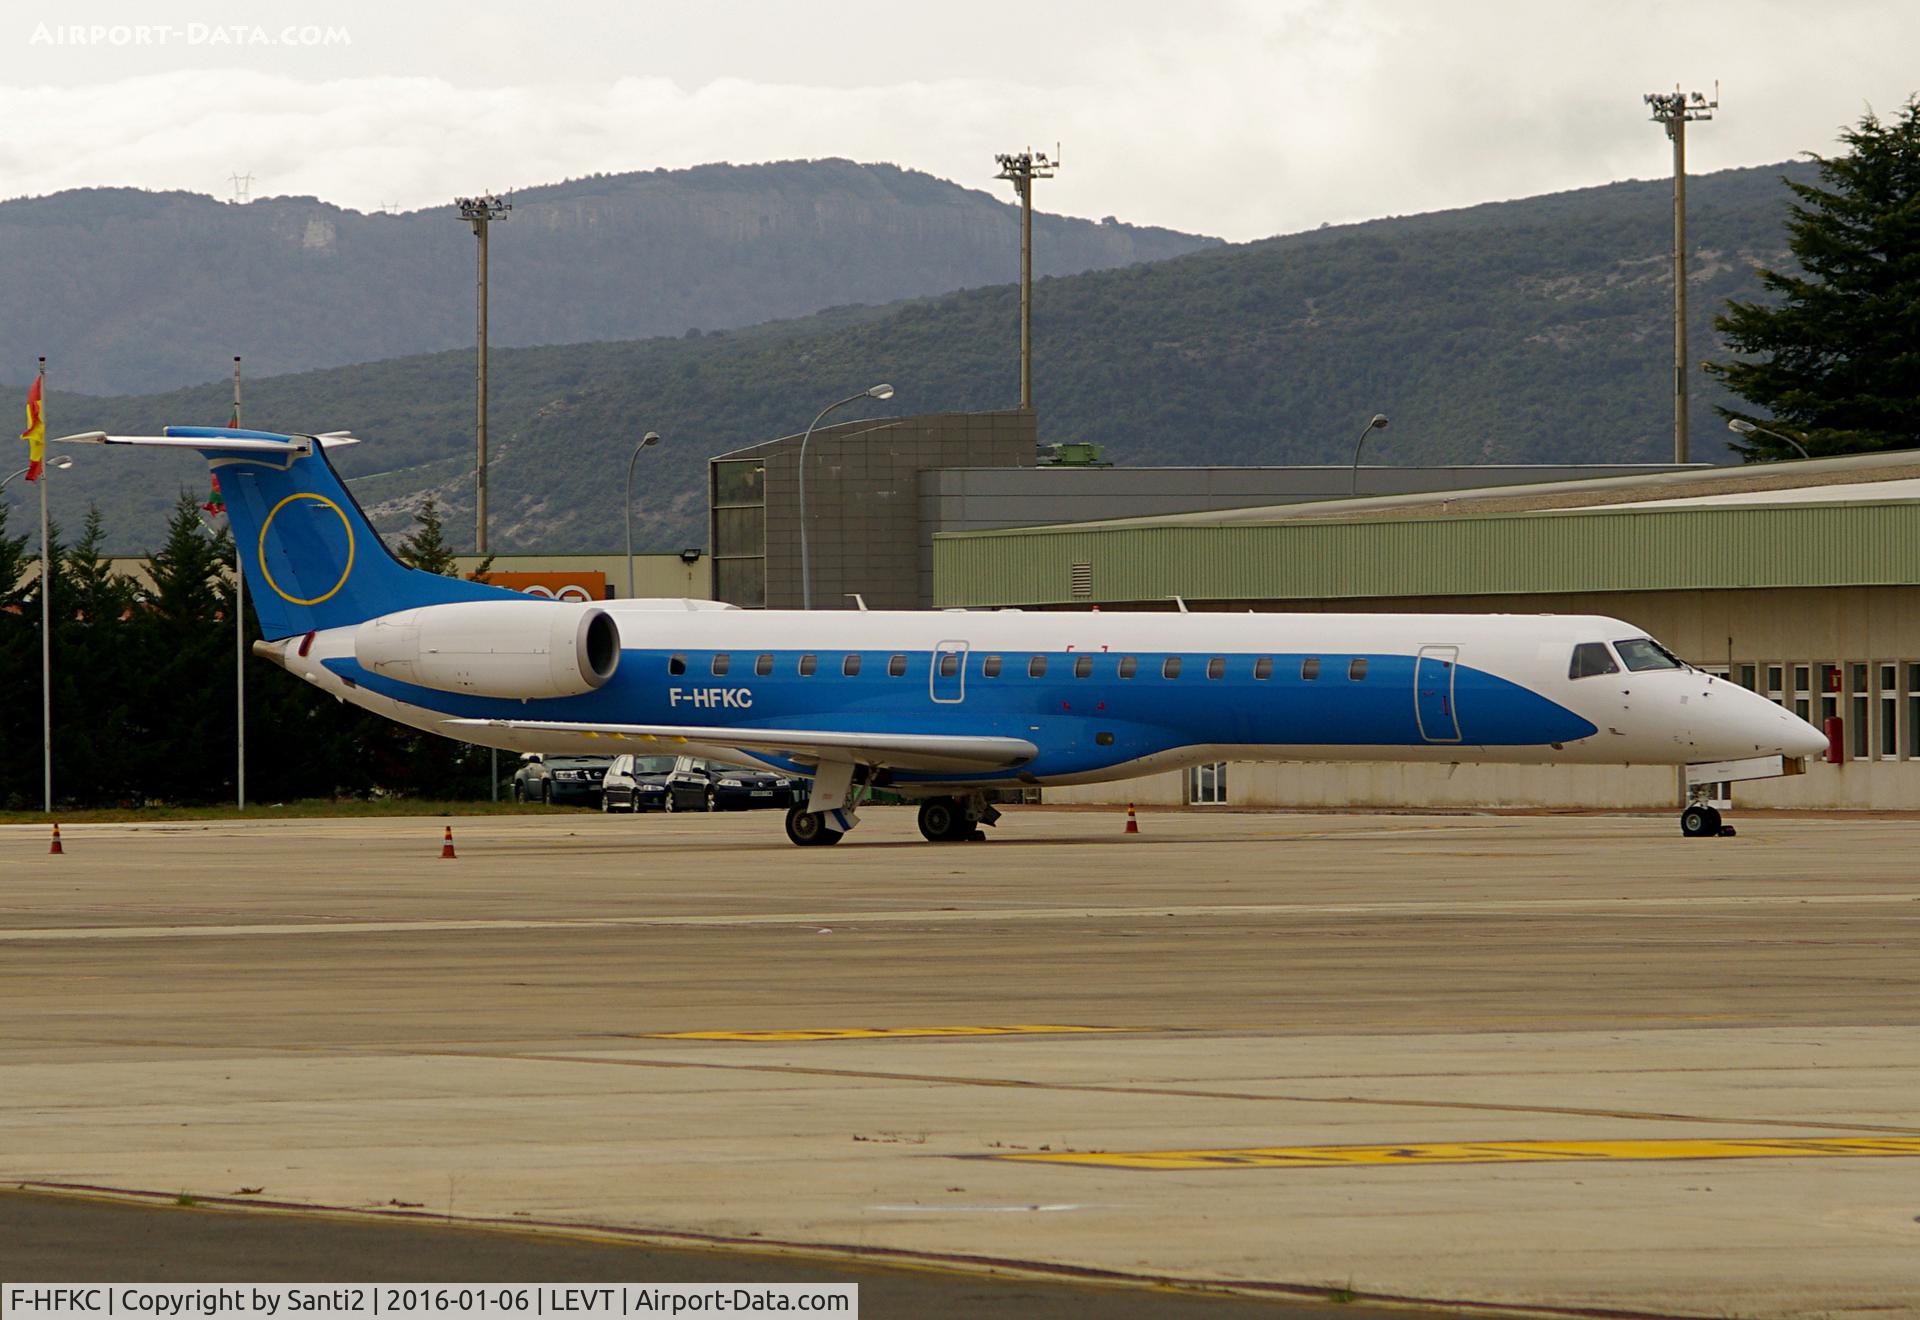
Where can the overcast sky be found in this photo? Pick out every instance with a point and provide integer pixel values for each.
(1239, 118)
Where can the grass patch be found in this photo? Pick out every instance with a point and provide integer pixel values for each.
(185, 1199)
(311, 809)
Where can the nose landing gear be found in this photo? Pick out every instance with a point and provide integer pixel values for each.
(1701, 821)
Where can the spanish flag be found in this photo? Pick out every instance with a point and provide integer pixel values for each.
(36, 433)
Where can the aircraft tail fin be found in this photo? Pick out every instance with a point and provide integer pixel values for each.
(312, 559)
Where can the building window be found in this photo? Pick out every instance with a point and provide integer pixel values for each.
(1170, 667)
(677, 665)
(1803, 691)
(1128, 666)
(1829, 693)
(1037, 667)
(763, 664)
(1858, 737)
(990, 667)
(1889, 712)
(737, 498)
(896, 666)
(722, 662)
(1749, 677)
(1776, 675)
(1356, 669)
(850, 666)
(1207, 784)
(1310, 668)
(808, 663)
(1913, 710)
(1217, 667)
(1263, 667)
(1083, 666)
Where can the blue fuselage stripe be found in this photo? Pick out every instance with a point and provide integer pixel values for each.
(1063, 714)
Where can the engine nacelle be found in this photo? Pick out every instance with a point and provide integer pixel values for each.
(494, 648)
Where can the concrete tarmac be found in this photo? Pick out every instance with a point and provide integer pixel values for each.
(329, 1013)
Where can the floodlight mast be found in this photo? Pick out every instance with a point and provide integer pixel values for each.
(480, 212)
(1023, 168)
(1675, 109)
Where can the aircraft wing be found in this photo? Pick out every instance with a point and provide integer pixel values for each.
(899, 751)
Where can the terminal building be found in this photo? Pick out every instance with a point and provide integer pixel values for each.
(1800, 581)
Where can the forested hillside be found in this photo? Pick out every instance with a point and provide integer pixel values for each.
(129, 291)
(1529, 331)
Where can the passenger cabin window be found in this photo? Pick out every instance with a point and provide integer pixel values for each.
(1310, 668)
(990, 667)
(1591, 659)
(1037, 667)
(1356, 669)
(677, 665)
(850, 666)
(896, 666)
(763, 665)
(1643, 653)
(1170, 667)
(1217, 667)
(1263, 667)
(808, 663)
(1083, 666)
(949, 665)
(722, 662)
(1128, 666)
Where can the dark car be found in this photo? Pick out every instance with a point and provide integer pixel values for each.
(696, 785)
(636, 783)
(572, 781)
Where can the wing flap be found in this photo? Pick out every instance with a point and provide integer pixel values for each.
(901, 751)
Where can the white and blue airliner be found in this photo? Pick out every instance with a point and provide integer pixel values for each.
(951, 707)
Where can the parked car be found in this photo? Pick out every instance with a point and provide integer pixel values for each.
(560, 780)
(697, 785)
(636, 783)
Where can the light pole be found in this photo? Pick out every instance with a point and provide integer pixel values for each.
(1741, 426)
(650, 438)
(1374, 423)
(63, 462)
(806, 568)
(60, 461)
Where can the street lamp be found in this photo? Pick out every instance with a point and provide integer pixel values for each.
(61, 461)
(1374, 423)
(1741, 426)
(650, 438)
(806, 570)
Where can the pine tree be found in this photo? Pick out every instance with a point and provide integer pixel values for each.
(1834, 361)
(427, 548)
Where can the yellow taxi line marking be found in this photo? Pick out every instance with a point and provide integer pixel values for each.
(1480, 1152)
(871, 1033)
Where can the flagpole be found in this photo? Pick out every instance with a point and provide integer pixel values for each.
(239, 634)
(46, 622)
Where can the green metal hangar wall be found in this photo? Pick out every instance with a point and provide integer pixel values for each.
(1798, 580)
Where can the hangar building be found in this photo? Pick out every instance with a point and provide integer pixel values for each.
(1800, 581)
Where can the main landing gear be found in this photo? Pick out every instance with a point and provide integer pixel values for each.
(809, 828)
(956, 820)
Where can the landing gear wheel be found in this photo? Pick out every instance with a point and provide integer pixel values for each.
(942, 821)
(809, 828)
(1700, 823)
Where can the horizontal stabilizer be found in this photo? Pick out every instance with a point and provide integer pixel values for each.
(901, 751)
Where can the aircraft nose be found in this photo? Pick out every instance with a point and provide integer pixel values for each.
(1802, 738)
(1775, 729)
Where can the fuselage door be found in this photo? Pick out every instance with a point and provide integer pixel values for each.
(948, 678)
(1433, 707)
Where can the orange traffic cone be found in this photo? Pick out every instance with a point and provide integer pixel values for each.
(56, 850)
(1133, 826)
(446, 849)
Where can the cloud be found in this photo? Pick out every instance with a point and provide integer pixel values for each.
(1236, 119)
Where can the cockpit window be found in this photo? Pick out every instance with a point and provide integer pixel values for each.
(1643, 653)
(1591, 658)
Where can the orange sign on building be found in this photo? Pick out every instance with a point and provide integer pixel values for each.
(559, 584)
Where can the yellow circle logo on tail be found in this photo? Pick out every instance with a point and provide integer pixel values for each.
(267, 526)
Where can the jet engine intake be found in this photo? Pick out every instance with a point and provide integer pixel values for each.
(494, 648)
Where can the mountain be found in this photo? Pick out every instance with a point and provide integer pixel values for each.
(1527, 331)
(128, 291)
